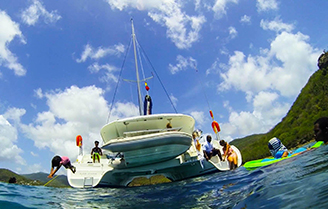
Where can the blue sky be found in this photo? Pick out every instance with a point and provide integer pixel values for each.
(60, 62)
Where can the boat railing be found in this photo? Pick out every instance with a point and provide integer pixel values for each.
(149, 131)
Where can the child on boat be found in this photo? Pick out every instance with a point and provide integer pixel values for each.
(196, 141)
(230, 154)
(277, 149)
(96, 152)
(200, 154)
(58, 161)
(209, 149)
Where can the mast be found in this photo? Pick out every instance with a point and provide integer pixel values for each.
(136, 63)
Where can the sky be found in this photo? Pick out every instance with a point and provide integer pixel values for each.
(61, 61)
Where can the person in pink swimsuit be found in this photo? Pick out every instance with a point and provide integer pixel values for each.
(57, 162)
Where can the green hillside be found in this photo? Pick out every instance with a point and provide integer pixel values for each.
(6, 174)
(36, 179)
(296, 127)
(60, 181)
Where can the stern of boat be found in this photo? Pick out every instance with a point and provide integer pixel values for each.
(88, 174)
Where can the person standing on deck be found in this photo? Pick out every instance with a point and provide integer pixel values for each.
(96, 152)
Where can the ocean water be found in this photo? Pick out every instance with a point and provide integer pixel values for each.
(299, 182)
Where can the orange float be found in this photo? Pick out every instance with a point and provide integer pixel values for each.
(216, 127)
(79, 141)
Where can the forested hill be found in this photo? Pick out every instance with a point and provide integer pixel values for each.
(35, 179)
(296, 127)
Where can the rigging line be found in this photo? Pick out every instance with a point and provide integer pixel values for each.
(131, 92)
(159, 79)
(203, 90)
(141, 66)
(118, 81)
(142, 70)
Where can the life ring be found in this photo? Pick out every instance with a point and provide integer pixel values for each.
(216, 127)
(79, 141)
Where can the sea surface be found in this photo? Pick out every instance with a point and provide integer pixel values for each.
(298, 182)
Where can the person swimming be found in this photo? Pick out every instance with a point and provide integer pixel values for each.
(277, 149)
(321, 129)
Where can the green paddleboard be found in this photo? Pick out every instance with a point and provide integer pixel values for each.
(251, 165)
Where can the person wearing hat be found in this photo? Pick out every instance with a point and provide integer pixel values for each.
(277, 149)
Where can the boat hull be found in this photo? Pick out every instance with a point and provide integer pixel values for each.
(224, 165)
(104, 175)
(151, 148)
(144, 125)
(115, 173)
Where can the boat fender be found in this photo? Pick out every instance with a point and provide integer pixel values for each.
(79, 141)
(216, 127)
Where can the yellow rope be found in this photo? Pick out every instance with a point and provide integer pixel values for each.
(50, 180)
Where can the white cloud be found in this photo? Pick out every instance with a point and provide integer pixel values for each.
(263, 99)
(177, 22)
(219, 7)
(232, 32)
(280, 71)
(183, 64)
(214, 69)
(174, 100)
(245, 75)
(74, 111)
(257, 73)
(299, 62)
(138, 4)
(200, 118)
(90, 52)
(265, 5)
(38, 93)
(245, 19)
(8, 137)
(267, 111)
(276, 25)
(9, 30)
(182, 29)
(34, 168)
(244, 123)
(123, 110)
(14, 114)
(108, 75)
(31, 15)
(34, 154)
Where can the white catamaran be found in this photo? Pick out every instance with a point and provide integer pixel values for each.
(145, 146)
